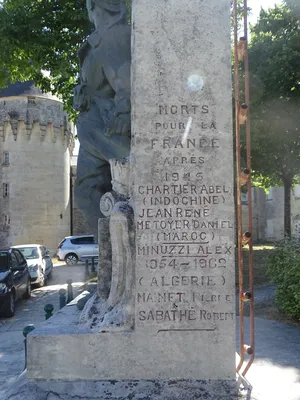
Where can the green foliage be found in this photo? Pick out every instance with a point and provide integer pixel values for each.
(294, 5)
(284, 269)
(38, 36)
(274, 55)
(44, 35)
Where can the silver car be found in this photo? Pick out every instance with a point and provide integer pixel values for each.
(77, 248)
(39, 262)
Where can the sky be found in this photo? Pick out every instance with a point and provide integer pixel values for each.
(255, 5)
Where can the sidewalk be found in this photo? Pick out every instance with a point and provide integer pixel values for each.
(12, 355)
(275, 373)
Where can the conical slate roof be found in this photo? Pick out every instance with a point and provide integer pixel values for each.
(24, 89)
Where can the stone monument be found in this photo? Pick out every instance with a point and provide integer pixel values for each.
(182, 174)
(162, 323)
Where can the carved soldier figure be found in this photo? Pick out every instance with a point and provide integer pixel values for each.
(103, 99)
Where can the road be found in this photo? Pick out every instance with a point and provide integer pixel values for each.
(32, 312)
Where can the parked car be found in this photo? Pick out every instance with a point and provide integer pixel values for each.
(14, 280)
(39, 262)
(77, 248)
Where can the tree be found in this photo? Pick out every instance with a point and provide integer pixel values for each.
(38, 36)
(35, 37)
(294, 5)
(274, 57)
(42, 36)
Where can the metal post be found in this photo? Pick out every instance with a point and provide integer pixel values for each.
(26, 330)
(49, 308)
(238, 194)
(87, 267)
(93, 265)
(250, 227)
(62, 298)
(242, 116)
(70, 291)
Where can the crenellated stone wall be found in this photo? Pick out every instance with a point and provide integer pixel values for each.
(36, 144)
(79, 224)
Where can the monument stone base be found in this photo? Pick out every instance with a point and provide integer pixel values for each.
(120, 390)
(65, 363)
(62, 349)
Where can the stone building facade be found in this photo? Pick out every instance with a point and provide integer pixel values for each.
(79, 225)
(268, 213)
(258, 214)
(36, 143)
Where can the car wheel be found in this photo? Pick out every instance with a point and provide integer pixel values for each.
(42, 281)
(9, 310)
(71, 259)
(27, 294)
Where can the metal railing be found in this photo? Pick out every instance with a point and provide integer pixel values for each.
(242, 117)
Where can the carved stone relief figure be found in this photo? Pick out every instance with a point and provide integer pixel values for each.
(103, 99)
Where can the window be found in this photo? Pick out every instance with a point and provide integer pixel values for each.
(31, 101)
(297, 192)
(6, 158)
(14, 261)
(270, 228)
(3, 261)
(29, 252)
(244, 198)
(44, 251)
(6, 219)
(19, 256)
(270, 194)
(5, 189)
(83, 240)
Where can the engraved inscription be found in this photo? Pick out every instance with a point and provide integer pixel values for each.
(192, 109)
(185, 315)
(184, 240)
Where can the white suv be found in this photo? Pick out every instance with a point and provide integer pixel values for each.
(77, 248)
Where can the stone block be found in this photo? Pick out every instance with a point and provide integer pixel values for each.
(61, 350)
(183, 192)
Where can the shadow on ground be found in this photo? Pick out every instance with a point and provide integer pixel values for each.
(275, 373)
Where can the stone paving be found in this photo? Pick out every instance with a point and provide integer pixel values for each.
(32, 312)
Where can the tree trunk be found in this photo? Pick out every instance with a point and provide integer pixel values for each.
(287, 207)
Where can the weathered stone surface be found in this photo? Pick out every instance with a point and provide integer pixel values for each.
(182, 171)
(182, 175)
(122, 390)
(120, 173)
(112, 307)
(78, 354)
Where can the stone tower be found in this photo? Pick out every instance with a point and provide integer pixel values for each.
(36, 143)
